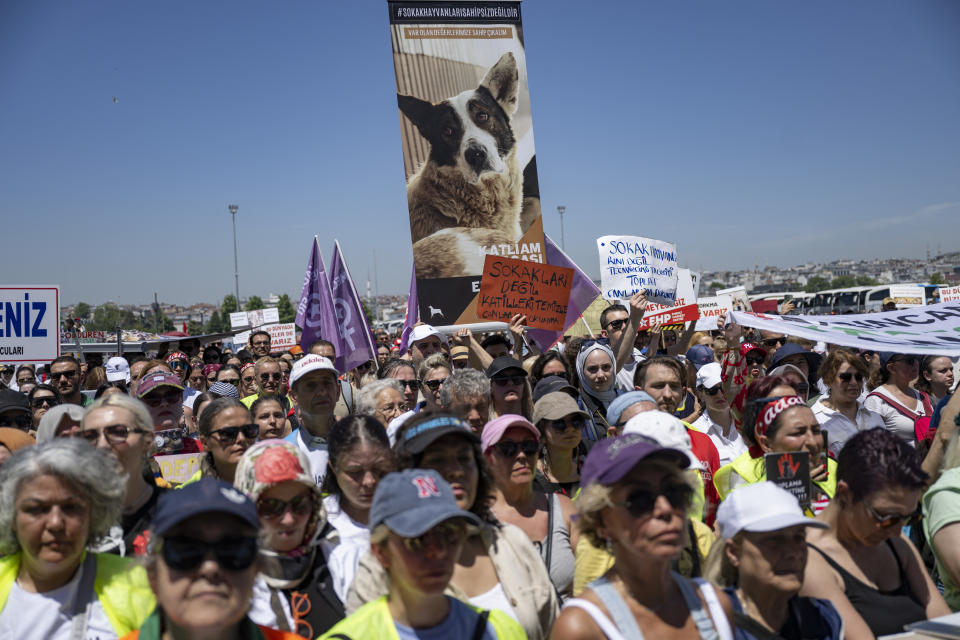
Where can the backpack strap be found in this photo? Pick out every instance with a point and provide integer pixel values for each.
(481, 627)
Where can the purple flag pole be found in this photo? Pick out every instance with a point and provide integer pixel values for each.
(316, 315)
(582, 293)
(412, 315)
(356, 336)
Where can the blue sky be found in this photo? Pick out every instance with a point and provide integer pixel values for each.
(746, 132)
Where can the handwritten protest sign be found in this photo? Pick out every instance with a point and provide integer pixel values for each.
(539, 291)
(631, 263)
(177, 468)
(790, 471)
(949, 294)
(710, 309)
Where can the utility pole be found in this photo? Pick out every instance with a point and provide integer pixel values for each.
(236, 274)
(563, 243)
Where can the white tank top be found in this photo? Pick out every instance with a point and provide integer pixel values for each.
(494, 599)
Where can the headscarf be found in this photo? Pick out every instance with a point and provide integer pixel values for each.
(211, 368)
(603, 395)
(267, 464)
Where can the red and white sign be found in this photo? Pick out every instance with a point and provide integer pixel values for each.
(949, 294)
(283, 337)
(671, 315)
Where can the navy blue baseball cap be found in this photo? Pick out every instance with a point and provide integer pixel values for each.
(699, 355)
(612, 458)
(413, 501)
(207, 495)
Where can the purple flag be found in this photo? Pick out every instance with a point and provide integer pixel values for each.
(412, 316)
(315, 313)
(356, 338)
(582, 293)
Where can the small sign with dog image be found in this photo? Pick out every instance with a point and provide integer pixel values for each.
(540, 292)
(790, 470)
(629, 264)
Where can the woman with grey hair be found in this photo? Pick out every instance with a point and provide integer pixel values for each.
(382, 399)
(55, 499)
(62, 421)
(121, 426)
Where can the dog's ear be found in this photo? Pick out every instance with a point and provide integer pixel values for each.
(503, 82)
(417, 110)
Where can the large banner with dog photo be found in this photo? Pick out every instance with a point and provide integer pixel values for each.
(467, 137)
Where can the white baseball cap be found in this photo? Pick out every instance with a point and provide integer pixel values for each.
(759, 507)
(708, 376)
(422, 331)
(308, 363)
(668, 431)
(117, 368)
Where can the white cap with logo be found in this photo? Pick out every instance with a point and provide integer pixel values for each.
(309, 363)
(760, 507)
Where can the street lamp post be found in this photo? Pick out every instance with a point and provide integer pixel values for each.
(236, 274)
(563, 242)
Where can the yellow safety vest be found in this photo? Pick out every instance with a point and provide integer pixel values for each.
(752, 470)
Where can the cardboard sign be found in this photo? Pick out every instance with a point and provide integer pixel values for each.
(29, 323)
(949, 294)
(539, 291)
(631, 263)
(671, 315)
(177, 468)
(282, 336)
(790, 471)
(710, 309)
(254, 319)
(739, 297)
(907, 296)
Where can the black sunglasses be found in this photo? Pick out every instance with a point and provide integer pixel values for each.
(21, 422)
(39, 401)
(229, 435)
(505, 381)
(433, 385)
(181, 553)
(773, 342)
(275, 508)
(264, 377)
(566, 423)
(641, 501)
(712, 391)
(755, 360)
(413, 384)
(848, 376)
(61, 374)
(443, 536)
(510, 448)
(616, 325)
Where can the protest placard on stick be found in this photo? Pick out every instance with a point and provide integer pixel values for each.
(631, 263)
(540, 292)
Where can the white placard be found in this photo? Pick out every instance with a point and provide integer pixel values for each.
(907, 295)
(710, 309)
(631, 263)
(739, 297)
(29, 323)
(949, 294)
(254, 319)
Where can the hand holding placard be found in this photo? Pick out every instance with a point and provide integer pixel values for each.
(538, 291)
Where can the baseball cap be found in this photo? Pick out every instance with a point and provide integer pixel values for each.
(700, 355)
(747, 347)
(223, 389)
(708, 376)
(117, 368)
(493, 431)
(665, 429)
(309, 363)
(207, 495)
(502, 364)
(47, 429)
(612, 458)
(422, 331)
(459, 352)
(624, 400)
(416, 438)
(157, 379)
(556, 405)
(759, 507)
(552, 384)
(413, 501)
(11, 400)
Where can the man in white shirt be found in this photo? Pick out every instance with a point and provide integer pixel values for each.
(717, 421)
(314, 387)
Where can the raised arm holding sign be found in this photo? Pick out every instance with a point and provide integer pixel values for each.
(631, 263)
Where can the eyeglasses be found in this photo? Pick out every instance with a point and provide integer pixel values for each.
(507, 381)
(510, 448)
(616, 325)
(754, 361)
(181, 553)
(39, 401)
(21, 422)
(413, 384)
(774, 342)
(115, 434)
(564, 424)
(848, 376)
(891, 520)
(265, 377)
(433, 385)
(157, 399)
(61, 374)
(442, 536)
(712, 391)
(228, 435)
(270, 508)
(641, 502)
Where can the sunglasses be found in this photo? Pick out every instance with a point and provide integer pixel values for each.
(616, 325)
(433, 385)
(228, 435)
(265, 377)
(561, 426)
(442, 536)
(270, 508)
(179, 364)
(115, 434)
(641, 501)
(712, 391)
(62, 374)
(181, 553)
(754, 361)
(39, 401)
(20, 422)
(212, 379)
(774, 342)
(247, 379)
(510, 448)
(848, 376)
(892, 520)
(507, 381)
(235, 381)
(413, 384)
(157, 399)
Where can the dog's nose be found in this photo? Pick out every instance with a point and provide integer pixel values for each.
(476, 157)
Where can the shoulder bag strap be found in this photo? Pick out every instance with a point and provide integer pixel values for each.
(85, 598)
(481, 627)
(549, 551)
(896, 405)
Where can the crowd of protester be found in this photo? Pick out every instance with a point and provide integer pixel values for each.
(476, 486)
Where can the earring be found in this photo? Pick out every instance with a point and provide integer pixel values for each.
(609, 545)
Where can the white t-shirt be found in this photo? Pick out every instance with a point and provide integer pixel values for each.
(893, 420)
(839, 428)
(49, 616)
(729, 447)
(316, 453)
(343, 553)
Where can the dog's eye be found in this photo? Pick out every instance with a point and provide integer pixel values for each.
(448, 131)
(482, 116)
